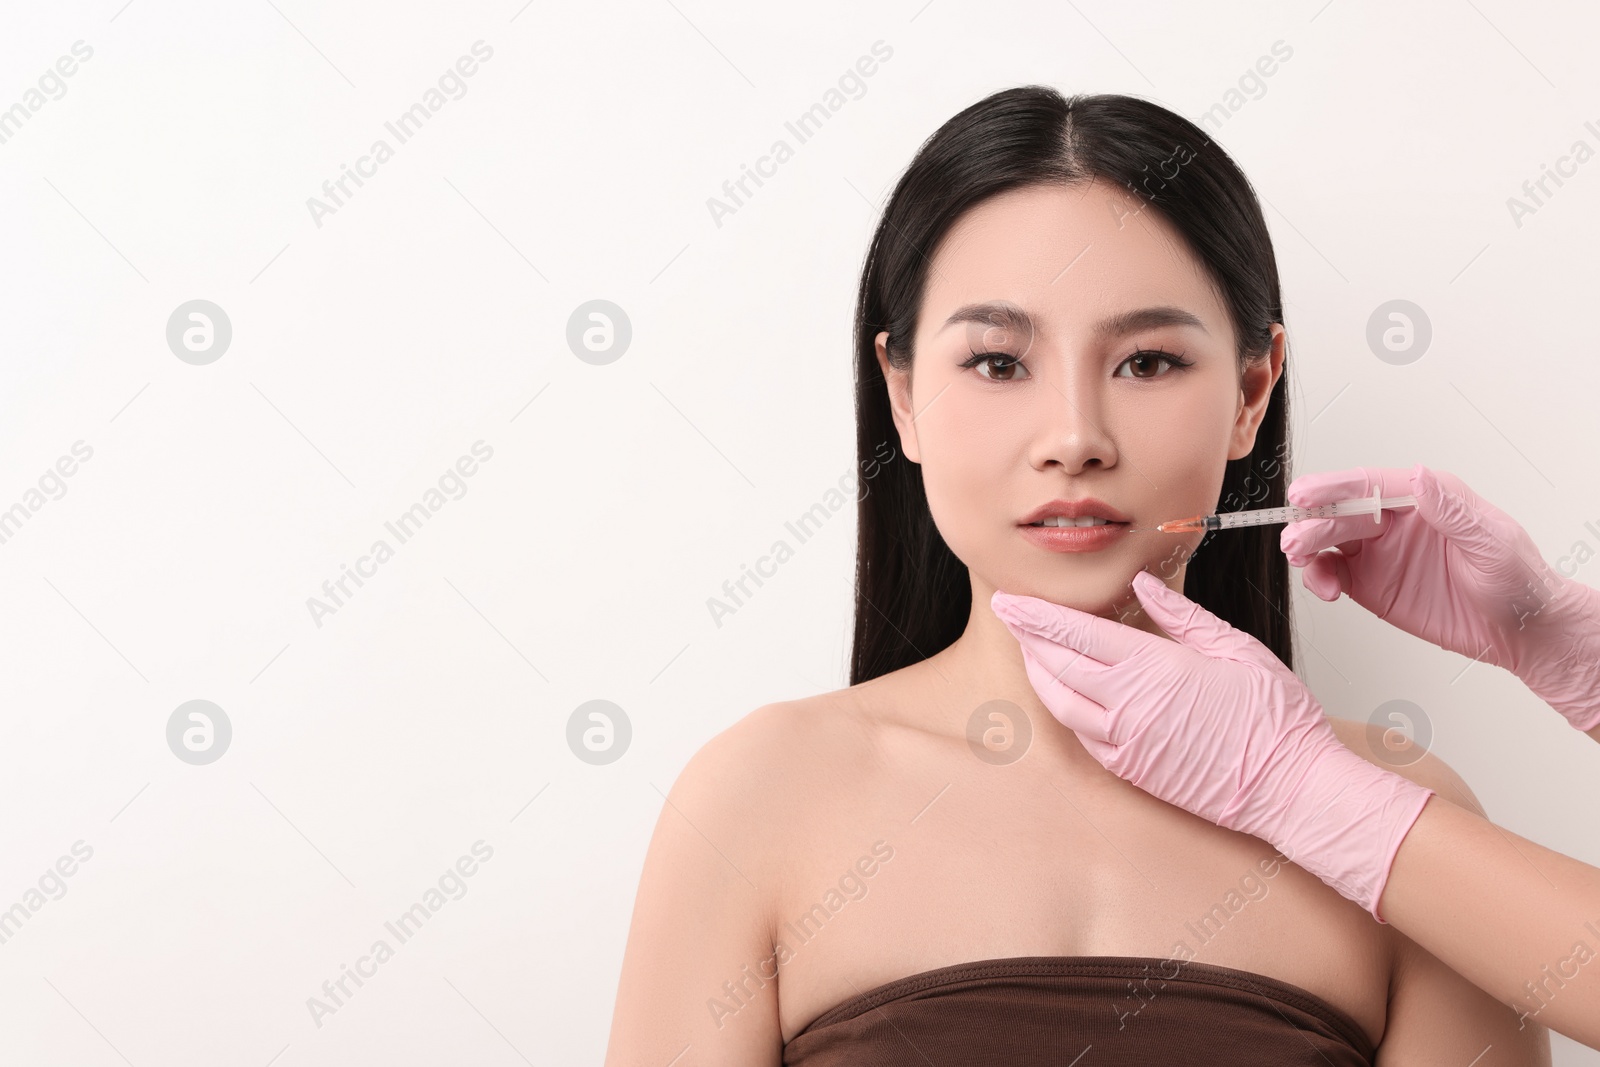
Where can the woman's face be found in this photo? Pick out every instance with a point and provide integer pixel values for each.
(1066, 401)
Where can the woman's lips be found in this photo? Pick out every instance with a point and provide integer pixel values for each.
(1074, 538)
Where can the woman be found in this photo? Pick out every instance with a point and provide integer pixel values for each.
(1070, 307)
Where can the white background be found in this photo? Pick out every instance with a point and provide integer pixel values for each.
(430, 311)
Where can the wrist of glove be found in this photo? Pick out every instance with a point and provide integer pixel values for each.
(1330, 811)
(1560, 653)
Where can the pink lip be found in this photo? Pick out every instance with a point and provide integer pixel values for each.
(1074, 538)
(1074, 509)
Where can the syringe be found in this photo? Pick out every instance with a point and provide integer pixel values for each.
(1372, 505)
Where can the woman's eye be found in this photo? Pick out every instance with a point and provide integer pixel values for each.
(1005, 369)
(1150, 363)
(1153, 361)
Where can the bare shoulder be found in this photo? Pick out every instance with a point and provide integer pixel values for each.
(1390, 749)
(740, 757)
(762, 772)
(735, 781)
(713, 875)
(778, 744)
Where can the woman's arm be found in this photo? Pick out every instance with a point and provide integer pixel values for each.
(1437, 1015)
(698, 985)
(1439, 1019)
(1521, 921)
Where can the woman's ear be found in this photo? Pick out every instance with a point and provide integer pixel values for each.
(899, 383)
(1255, 390)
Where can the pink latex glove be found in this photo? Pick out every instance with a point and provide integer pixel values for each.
(1456, 571)
(1214, 723)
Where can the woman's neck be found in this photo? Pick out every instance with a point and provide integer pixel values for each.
(985, 664)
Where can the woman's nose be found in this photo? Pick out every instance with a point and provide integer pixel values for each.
(1072, 432)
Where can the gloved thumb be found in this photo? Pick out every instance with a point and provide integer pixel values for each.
(1454, 517)
(1187, 622)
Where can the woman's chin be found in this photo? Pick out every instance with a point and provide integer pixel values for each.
(1114, 600)
(1105, 603)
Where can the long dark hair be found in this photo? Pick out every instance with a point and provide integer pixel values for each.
(913, 595)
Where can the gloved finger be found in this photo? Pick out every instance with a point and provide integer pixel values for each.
(1068, 667)
(1191, 625)
(1452, 508)
(1084, 717)
(1304, 539)
(1327, 575)
(1326, 487)
(1107, 640)
(1306, 536)
(1103, 752)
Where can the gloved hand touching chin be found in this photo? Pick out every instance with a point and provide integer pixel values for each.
(1214, 723)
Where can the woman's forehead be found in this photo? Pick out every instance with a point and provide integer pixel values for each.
(1060, 255)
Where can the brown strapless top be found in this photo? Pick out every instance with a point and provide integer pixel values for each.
(1085, 1011)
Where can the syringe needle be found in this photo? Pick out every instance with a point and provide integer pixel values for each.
(1189, 525)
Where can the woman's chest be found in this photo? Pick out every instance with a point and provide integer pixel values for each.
(904, 876)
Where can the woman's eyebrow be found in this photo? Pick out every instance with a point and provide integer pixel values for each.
(1013, 318)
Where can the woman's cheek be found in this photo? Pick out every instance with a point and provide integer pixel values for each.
(1170, 552)
(959, 490)
(966, 470)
